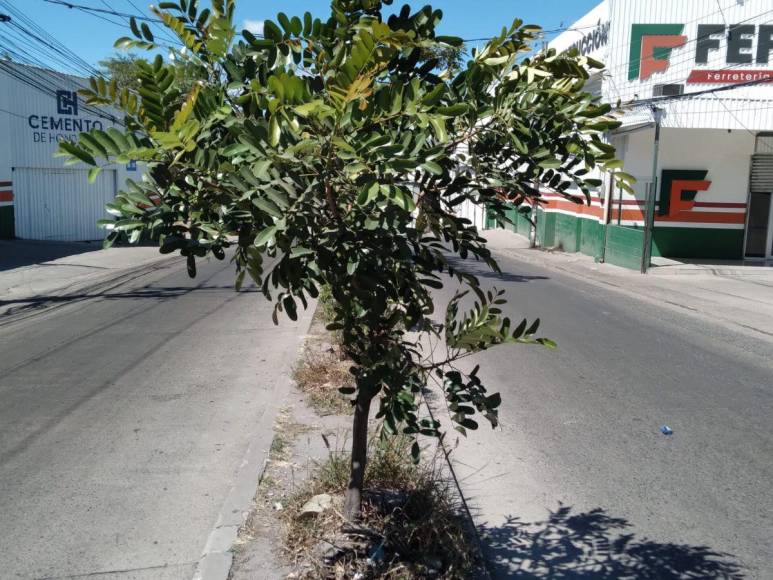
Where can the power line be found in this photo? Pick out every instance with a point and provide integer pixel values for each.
(22, 74)
(695, 94)
(543, 32)
(55, 50)
(102, 10)
(161, 28)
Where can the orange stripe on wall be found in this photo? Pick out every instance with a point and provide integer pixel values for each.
(6, 196)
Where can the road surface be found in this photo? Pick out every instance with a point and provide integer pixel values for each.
(581, 439)
(125, 419)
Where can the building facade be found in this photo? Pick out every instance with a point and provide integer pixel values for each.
(706, 69)
(40, 198)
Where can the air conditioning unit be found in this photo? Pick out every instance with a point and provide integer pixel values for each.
(667, 90)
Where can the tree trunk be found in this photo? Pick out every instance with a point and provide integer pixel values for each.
(353, 504)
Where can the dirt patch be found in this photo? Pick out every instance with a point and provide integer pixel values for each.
(321, 374)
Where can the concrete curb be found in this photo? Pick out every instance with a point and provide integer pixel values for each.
(217, 557)
(93, 286)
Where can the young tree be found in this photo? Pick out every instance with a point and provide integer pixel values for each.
(126, 71)
(318, 145)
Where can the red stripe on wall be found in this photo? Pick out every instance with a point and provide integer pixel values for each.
(6, 196)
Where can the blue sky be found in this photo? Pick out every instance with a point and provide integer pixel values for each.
(92, 38)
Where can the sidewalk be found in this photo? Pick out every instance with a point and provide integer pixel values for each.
(34, 273)
(734, 295)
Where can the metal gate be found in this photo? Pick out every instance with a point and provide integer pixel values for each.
(762, 173)
(60, 204)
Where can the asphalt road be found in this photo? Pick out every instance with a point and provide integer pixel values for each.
(580, 458)
(125, 420)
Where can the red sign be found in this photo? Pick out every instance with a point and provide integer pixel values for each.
(729, 77)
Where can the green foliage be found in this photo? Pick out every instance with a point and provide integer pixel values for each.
(318, 145)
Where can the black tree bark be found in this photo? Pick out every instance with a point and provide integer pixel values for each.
(353, 503)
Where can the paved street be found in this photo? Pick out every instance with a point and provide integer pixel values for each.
(581, 432)
(125, 420)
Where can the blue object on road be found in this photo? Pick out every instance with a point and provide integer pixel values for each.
(666, 430)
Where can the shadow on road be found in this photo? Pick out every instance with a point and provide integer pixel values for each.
(35, 304)
(592, 545)
(480, 270)
(21, 253)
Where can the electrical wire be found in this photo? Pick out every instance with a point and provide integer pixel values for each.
(160, 27)
(36, 32)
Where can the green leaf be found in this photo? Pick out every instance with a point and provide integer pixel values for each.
(146, 32)
(267, 206)
(274, 131)
(550, 163)
(134, 27)
(66, 148)
(271, 31)
(432, 167)
(94, 173)
(265, 236)
(439, 128)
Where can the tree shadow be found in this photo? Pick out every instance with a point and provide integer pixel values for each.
(24, 305)
(593, 544)
(480, 270)
(21, 253)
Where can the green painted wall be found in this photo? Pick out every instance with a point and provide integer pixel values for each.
(522, 224)
(698, 243)
(546, 229)
(624, 246)
(512, 215)
(591, 237)
(6, 222)
(574, 234)
(567, 232)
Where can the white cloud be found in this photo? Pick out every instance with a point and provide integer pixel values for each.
(254, 26)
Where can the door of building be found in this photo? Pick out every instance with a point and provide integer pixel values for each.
(759, 219)
(759, 229)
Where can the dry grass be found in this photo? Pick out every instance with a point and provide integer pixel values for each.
(320, 374)
(286, 431)
(411, 526)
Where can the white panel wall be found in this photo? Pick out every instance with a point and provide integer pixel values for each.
(54, 204)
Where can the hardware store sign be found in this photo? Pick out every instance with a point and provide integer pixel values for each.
(745, 50)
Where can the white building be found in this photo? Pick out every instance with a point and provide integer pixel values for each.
(715, 171)
(39, 197)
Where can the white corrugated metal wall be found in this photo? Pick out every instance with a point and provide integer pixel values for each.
(60, 204)
(52, 202)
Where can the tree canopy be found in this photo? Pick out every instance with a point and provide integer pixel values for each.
(313, 150)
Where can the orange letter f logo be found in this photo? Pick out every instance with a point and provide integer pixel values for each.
(651, 46)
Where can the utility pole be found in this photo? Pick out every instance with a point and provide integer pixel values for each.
(649, 210)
